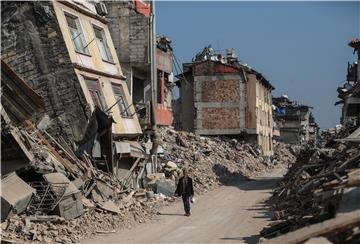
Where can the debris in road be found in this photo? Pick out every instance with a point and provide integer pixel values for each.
(329, 228)
(313, 189)
(215, 160)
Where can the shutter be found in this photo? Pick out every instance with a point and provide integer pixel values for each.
(92, 84)
(71, 22)
(98, 33)
(117, 90)
(119, 95)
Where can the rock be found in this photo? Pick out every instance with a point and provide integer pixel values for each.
(150, 194)
(166, 187)
(171, 165)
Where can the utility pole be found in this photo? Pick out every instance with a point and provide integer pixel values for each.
(153, 79)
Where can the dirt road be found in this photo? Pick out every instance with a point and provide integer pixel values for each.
(230, 214)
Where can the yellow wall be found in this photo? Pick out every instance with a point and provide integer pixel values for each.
(259, 112)
(251, 102)
(87, 22)
(123, 126)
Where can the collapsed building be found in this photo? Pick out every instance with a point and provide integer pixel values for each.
(130, 24)
(69, 127)
(64, 51)
(349, 93)
(221, 96)
(294, 122)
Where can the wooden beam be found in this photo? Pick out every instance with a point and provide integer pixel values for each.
(14, 131)
(63, 161)
(326, 228)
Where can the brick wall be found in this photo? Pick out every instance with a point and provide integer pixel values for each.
(130, 33)
(212, 68)
(220, 118)
(32, 44)
(220, 91)
(139, 38)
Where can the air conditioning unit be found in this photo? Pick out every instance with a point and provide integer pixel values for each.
(101, 9)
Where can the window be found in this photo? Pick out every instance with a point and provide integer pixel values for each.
(76, 33)
(121, 100)
(96, 96)
(102, 44)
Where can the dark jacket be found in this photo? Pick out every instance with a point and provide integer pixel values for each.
(189, 188)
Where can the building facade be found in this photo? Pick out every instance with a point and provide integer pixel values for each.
(219, 96)
(130, 25)
(349, 92)
(295, 121)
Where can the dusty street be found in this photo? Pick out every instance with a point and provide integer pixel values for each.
(232, 213)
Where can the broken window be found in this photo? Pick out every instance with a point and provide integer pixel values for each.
(95, 92)
(76, 33)
(102, 44)
(121, 100)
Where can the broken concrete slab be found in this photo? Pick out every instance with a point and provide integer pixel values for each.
(87, 203)
(70, 205)
(110, 206)
(166, 187)
(16, 195)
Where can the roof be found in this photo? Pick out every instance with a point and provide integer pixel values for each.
(260, 77)
(19, 100)
(237, 67)
(355, 42)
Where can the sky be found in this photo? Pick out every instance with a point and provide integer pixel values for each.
(300, 47)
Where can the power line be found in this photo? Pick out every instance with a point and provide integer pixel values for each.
(179, 67)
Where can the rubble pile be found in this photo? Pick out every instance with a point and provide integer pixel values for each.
(60, 198)
(54, 229)
(212, 160)
(285, 153)
(315, 189)
(69, 199)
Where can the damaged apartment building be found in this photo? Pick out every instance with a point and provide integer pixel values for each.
(131, 26)
(63, 50)
(349, 93)
(221, 96)
(295, 122)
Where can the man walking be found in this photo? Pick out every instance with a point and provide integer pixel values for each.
(185, 189)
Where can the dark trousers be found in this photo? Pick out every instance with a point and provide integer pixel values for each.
(186, 201)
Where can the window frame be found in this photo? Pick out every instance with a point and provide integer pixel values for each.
(99, 95)
(125, 104)
(109, 57)
(82, 36)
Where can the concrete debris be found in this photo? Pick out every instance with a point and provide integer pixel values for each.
(94, 201)
(15, 195)
(314, 190)
(166, 187)
(214, 160)
(110, 206)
